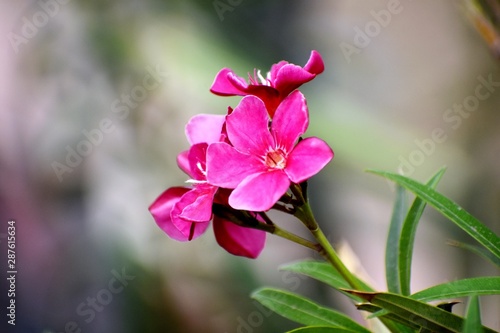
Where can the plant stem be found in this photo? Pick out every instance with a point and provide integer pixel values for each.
(297, 239)
(305, 214)
(245, 219)
(272, 228)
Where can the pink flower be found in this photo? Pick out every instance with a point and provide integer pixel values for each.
(185, 213)
(263, 161)
(237, 240)
(278, 84)
(164, 215)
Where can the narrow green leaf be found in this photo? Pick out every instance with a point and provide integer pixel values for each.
(391, 321)
(320, 329)
(485, 285)
(303, 310)
(451, 210)
(392, 246)
(420, 313)
(323, 272)
(407, 239)
(480, 251)
(473, 317)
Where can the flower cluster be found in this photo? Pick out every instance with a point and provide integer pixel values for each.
(244, 163)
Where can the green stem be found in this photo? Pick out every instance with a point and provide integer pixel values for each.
(305, 214)
(272, 228)
(296, 239)
(245, 219)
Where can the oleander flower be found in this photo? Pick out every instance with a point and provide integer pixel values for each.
(185, 213)
(165, 214)
(264, 159)
(272, 89)
(237, 240)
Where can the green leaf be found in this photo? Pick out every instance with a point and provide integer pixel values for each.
(473, 317)
(486, 285)
(451, 210)
(407, 238)
(303, 310)
(320, 329)
(480, 251)
(323, 272)
(392, 246)
(391, 321)
(420, 313)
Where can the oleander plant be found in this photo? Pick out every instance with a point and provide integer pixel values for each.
(257, 158)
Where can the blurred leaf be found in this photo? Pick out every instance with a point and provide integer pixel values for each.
(486, 285)
(450, 209)
(476, 250)
(406, 241)
(485, 16)
(473, 317)
(392, 246)
(417, 312)
(320, 329)
(303, 310)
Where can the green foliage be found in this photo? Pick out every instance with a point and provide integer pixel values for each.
(451, 210)
(407, 237)
(489, 285)
(480, 251)
(325, 273)
(473, 318)
(419, 313)
(320, 329)
(304, 311)
(397, 310)
(392, 246)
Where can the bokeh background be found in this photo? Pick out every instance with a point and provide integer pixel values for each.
(67, 66)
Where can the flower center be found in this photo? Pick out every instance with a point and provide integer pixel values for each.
(276, 159)
(258, 79)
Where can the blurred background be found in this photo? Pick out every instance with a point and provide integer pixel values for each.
(93, 101)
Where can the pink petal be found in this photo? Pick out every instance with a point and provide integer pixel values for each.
(226, 83)
(247, 127)
(204, 128)
(183, 162)
(196, 205)
(227, 167)
(197, 157)
(260, 192)
(273, 73)
(290, 77)
(307, 159)
(315, 63)
(269, 95)
(290, 120)
(238, 240)
(161, 210)
(192, 213)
